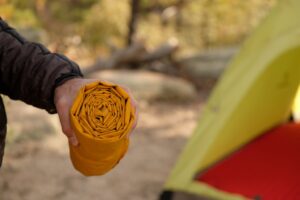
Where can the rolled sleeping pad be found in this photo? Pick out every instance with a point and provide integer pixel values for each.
(102, 117)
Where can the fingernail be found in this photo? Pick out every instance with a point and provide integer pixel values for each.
(73, 141)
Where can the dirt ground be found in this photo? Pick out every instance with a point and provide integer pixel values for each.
(37, 165)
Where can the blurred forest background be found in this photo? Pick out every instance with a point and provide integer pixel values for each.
(89, 31)
(97, 24)
(170, 53)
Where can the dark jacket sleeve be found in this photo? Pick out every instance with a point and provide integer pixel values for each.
(30, 72)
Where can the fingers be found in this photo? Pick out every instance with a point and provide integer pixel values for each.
(64, 117)
(134, 105)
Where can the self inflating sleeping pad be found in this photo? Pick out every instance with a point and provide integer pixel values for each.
(102, 117)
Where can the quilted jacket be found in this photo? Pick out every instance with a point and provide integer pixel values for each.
(29, 72)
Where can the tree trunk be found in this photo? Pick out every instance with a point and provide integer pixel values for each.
(132, 26)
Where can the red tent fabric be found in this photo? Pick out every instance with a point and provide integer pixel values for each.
(268, 168)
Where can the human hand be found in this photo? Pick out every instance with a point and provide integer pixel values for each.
(64, 96)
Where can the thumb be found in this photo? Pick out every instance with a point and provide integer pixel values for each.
(64, 118)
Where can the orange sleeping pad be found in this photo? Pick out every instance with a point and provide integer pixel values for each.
(102, 116)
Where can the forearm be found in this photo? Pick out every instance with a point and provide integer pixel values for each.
(30, 72)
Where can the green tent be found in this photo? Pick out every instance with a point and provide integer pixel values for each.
(254, 95)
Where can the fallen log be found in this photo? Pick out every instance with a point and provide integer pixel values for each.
(135, 54)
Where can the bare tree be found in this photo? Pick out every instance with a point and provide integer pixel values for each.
(132, 26)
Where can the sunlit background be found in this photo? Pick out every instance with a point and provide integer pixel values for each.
(170, 53)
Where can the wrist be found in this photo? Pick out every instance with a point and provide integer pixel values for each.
(64, 90)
